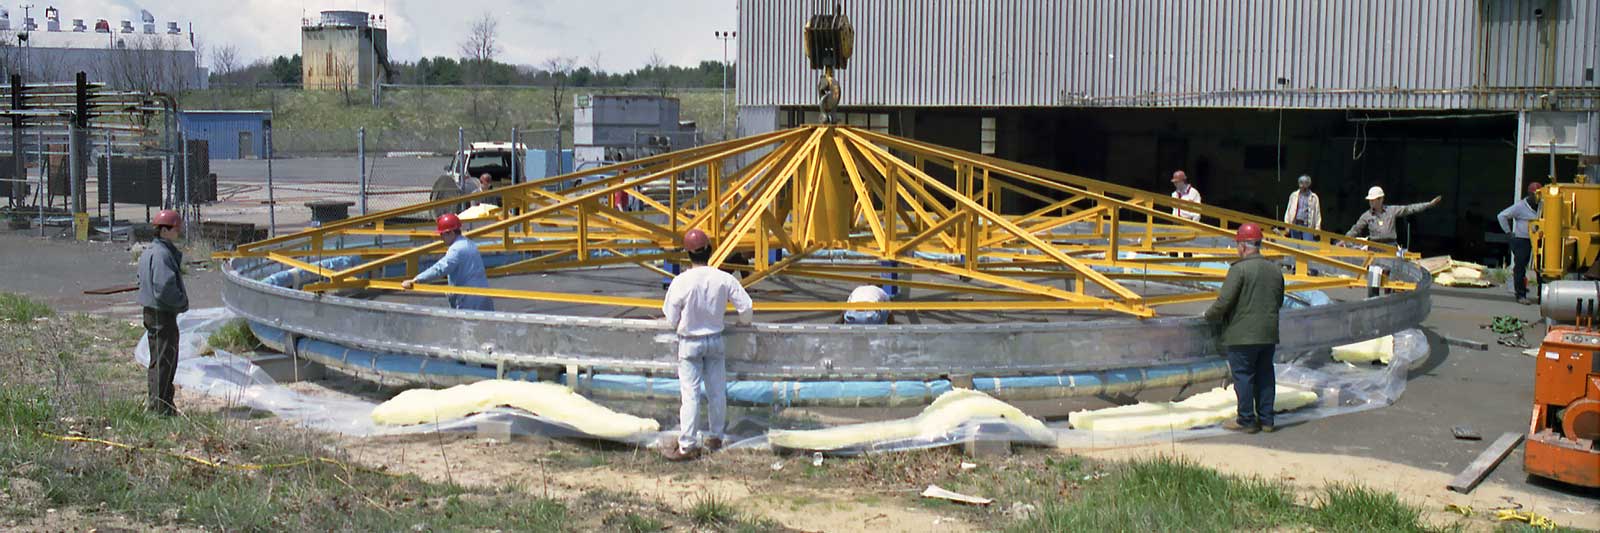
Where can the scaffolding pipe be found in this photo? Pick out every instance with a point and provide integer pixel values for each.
(361, 153)
(111, 223)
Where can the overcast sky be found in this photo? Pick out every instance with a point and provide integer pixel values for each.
(621, 34)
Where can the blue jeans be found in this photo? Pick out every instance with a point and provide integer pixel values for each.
(1302, 235)
(1521, 252)
(1254, 382)
(702, 371)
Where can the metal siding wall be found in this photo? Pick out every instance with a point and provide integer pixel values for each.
(1168, 53)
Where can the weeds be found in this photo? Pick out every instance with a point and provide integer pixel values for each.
(711, 509)
(19, 308)
(234, 337)
(70, 376)
(633, 523)
(1170, 494)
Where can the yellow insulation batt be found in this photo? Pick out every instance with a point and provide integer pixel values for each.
(1380, 349)
(548, 400)
(1204, 409)
(480, 212)
(948, 412)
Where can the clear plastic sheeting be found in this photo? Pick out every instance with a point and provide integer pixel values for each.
(239, 382)
(1341, 388)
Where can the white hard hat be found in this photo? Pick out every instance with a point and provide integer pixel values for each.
(1375, 193)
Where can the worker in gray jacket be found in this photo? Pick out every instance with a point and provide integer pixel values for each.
(1377, 224)
(1514, 220)
(163, 296)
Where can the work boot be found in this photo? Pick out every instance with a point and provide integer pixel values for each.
(1268, 428)
(677, 455)
(1234, 425)
(713, 444)
(1524, 301)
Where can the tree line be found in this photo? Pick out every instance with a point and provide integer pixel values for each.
(442, 70)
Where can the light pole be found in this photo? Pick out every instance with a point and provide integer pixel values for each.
(725, 36)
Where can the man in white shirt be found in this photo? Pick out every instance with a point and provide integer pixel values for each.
(694, 307)
(1514, 220)
(1183, 191)
(867, 294)
(1305, 209)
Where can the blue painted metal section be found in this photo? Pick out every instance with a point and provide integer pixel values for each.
(222, 128)
(544, 163)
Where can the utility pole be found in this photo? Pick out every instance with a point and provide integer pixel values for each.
(725, 36)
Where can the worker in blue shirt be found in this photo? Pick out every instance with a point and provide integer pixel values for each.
(461, 263)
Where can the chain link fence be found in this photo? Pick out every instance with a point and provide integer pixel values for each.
(364, 170)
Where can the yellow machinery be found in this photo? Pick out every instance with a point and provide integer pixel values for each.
(1566, 237)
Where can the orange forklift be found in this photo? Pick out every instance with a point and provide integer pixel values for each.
(1564, 435)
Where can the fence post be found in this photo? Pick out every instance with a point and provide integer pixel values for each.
(514, 177)
(111, 224)
(272, 201)
(42, 195)
(361, 153)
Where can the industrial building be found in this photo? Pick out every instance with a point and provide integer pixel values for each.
(120, 56)
(229, 134)
(343, 50)
(611, 128)
(1460, 98)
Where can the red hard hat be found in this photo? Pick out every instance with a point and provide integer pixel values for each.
(448, 222)
(1533, 187)
(695, 240)
(1248, 231)
(166, 217)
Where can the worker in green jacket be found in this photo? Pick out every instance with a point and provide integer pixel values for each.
(1247, 306)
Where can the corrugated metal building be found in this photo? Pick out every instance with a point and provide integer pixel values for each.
(231, 134)
(1422, 97)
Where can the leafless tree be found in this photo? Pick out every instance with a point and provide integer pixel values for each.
(486, 112)
(224, 62)
(559, 70)
(594, 62)
(657, 66)
(483, 40)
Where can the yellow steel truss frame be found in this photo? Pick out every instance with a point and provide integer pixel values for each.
(826, 187)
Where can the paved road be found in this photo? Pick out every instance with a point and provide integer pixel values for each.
(1488, 390)
(384, 171)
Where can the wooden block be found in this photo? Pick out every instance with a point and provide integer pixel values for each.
(1468, 479)
(114, 289)
(1465, 343)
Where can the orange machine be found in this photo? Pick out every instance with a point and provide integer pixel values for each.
(1564, 434)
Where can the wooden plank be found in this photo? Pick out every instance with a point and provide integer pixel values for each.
(1486, 461)
(114, 289)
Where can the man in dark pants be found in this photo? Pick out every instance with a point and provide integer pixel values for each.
(1248, 307)
(1514, 220)
(163, 296)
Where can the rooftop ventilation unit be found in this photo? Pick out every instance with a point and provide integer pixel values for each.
(102, 26)
(172, 28)
(77, 25)
(28, 25)
(127, 26)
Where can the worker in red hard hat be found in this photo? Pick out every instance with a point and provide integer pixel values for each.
(461, 264)
(1247, 306)
(164, 297)
(1514, 220)
(694, 307)
(1183, 190)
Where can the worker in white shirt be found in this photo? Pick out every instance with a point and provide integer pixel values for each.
(1304, 209)
(867, 294)
(1183, 191)
(1514, 220)
(694, 307)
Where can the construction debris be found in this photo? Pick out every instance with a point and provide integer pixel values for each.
(1452, 273)
(939, 493)
(948, 413)
(548, 400)
(1468, 479)
(1529, 517)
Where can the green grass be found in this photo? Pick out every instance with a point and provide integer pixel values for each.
(19, 308)
(633, 523)
(234, 337)
(711, 509)
(1170, 494)
(70, 375)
